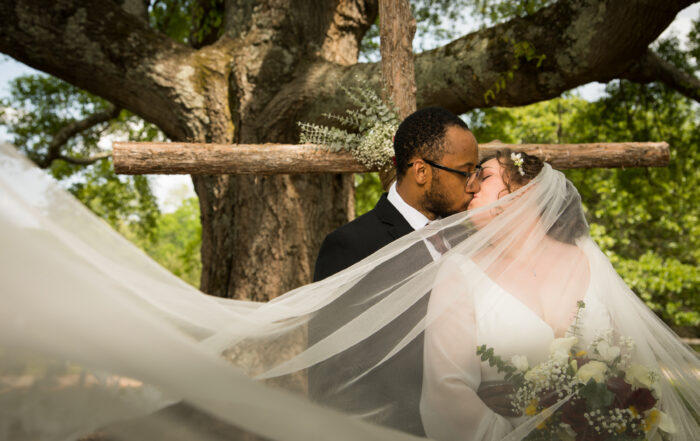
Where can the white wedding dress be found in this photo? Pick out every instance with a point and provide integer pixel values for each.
(94, 335)
(450, 407)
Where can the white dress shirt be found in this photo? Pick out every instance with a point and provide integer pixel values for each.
(415, 218)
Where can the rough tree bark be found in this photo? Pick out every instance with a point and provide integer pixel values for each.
(398, 71)
(280, 61)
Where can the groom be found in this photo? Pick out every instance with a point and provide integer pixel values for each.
(436, 159)
(436, 164)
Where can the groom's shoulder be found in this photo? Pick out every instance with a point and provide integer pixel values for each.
(359, 231)
(353, 242)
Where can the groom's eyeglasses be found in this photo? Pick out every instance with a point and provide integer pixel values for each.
(476, 173)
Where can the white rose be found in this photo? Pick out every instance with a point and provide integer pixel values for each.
(560, 347)
(592, 369)
(638, 376)
(520, 362)
(607, 352)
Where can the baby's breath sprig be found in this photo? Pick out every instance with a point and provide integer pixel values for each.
(372, 124)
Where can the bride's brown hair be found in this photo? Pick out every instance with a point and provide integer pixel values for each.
(571, 223)
(513, 180)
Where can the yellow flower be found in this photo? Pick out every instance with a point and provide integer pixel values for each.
(633, 410)
(651, 420)
(655, 418)
(581, 353)
(532, 408)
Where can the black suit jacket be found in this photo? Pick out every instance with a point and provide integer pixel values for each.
(358, 239)
(396, 384)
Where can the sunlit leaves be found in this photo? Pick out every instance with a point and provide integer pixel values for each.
(39, 106)
(176, 241)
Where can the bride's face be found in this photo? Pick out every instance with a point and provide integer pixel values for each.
(492, 185)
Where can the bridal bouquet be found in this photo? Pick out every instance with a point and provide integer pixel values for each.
(591, 394)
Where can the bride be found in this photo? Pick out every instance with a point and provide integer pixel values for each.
(96, 337)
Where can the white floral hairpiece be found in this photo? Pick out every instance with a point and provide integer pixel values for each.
(517, 159)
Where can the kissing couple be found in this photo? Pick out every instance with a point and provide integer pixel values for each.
(469, 304)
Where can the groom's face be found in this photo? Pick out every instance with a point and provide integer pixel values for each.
(450, 192)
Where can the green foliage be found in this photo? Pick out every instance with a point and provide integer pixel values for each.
(193, 22)
(176, 241)
(596, 395)
(495, 11)
(172, 18)
(368, 190)
(39, 106)
(510, 372)
(372, 124)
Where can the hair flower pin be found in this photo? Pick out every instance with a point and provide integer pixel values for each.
(517, 159)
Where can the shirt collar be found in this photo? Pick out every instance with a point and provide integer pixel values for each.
(415, 218)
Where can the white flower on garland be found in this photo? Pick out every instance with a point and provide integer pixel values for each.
(373, 125)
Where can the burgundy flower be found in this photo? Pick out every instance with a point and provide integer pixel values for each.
(622, 391)
(572, 414)
(642, 399)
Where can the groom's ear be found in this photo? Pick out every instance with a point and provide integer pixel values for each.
(420, 171)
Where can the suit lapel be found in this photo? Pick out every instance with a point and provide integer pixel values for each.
(389, 215)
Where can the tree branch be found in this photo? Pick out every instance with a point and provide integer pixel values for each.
(86, 161)
(522, 61)
(113, 54)
(652, 67)
(535, 58)
(70, 130)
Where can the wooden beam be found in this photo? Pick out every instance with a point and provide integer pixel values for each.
(137, 158)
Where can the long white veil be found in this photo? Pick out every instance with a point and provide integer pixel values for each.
(96, 338)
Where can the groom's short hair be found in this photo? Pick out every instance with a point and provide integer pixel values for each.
(422, 134)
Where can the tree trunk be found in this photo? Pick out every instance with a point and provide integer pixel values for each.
(261, 234)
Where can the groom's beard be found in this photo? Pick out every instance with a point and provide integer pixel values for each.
(438, 201)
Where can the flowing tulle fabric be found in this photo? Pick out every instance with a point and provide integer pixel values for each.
(95, 337)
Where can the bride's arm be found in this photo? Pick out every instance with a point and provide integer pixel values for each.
(450, 407)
